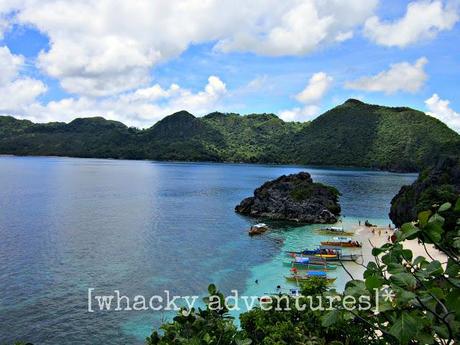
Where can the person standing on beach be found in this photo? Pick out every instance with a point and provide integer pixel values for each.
(359, 222)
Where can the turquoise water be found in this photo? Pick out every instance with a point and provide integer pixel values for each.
(141, 227)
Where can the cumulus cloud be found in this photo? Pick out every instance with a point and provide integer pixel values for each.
(298, 27)
(16, 92)
(401, 76)
(141, 108)
(98, 48)
(317, 86)
(304, 113)
(423, 20)
(310, 97)
(440, 109)
(9, 65)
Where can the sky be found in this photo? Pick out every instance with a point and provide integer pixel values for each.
(139, 61)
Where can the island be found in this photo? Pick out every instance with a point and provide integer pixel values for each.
(293, 198)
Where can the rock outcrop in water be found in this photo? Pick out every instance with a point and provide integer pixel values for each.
(294, 198)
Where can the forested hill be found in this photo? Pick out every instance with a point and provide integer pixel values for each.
(352, 134)
(360, 134)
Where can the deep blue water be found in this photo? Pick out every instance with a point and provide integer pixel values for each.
(141, 227)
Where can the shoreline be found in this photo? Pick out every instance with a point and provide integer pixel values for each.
(370, 240)
(269, 164)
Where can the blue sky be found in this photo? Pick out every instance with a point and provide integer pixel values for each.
(59, 66)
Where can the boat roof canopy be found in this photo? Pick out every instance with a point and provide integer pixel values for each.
(317, 273)
(345, 239)
(330, 247)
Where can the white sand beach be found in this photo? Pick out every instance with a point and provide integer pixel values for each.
(377, 237)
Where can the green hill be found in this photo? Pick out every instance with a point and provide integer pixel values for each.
(360, 134)
(352, 134)
(258, 138)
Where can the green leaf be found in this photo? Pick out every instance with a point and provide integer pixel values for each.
(453, 301)
(434, 232)
(377, 251)
(373, 282)
(452, 268)
(407, 254)
(418, 260)
(456, 242)
(423, 217)
(457, 206)
(404, 328)
(394, 268)
(404, 280)
(437, 218)
(408, 231)
(404, 296)
(330, 318)
(434, 268)
(444, 207)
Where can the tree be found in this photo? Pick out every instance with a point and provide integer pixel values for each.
(426, 304)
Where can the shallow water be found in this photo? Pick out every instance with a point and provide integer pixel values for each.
(141, 227)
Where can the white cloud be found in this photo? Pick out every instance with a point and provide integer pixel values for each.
(19, 94)
(9, 65)
(306, 113)
(317, 86)
(142, 107)
(310, 97)
(401, 76)
(16, 91)
(298, 27)
(440, 109)
(98, 48)
(423, 20)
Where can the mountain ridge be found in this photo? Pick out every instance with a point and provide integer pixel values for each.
(354, 134)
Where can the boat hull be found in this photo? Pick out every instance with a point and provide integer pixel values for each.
(312, 266)
(307, 278)
(340, 244)
(351, 257)
(341, 233)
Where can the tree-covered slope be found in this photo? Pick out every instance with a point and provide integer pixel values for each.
(255, 137)
(352, 134)
(360, 134)
(83, 137)
(183, 137)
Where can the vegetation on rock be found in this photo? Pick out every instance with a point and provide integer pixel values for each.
(435, 186)
(294, 197)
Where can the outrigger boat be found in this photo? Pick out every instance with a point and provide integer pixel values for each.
(336, 230)
(309, 275)
(306, 263)
(258, 229)
(340, 257)
(348, 244)
(319, 251)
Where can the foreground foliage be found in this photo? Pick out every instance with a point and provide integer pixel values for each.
(413, 300)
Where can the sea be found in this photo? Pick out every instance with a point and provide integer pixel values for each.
(74, 229)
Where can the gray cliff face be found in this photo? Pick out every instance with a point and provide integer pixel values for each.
(294, 198)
